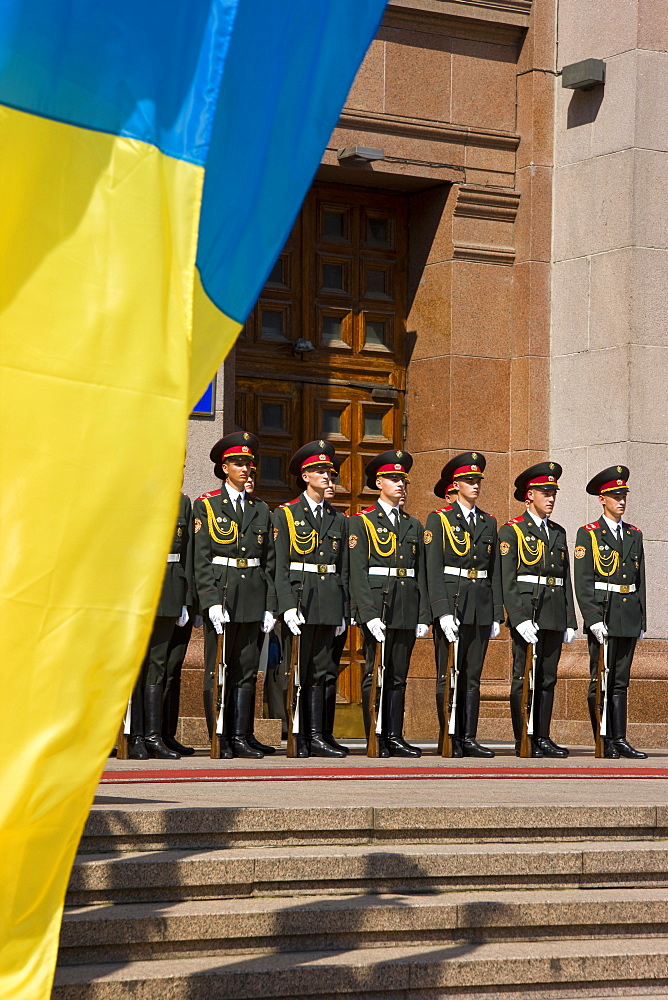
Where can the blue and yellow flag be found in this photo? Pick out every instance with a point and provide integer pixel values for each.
(153, 157)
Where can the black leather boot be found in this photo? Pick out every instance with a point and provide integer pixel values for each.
(136, 746)
(396, 744)
(240, 706)
(170, 717)
(470, 746)
(619, 741)
(609, 748)
(153, 724)
(328, 716)
(318, 746)
(251, 739)
(542, 720)
(225, 752)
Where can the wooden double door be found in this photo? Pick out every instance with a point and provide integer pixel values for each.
(323, 353)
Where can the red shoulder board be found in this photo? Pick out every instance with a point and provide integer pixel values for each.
(594, 524)
(632, 527)
(213, 493)
(367, 510)
(288, 504)
(344, 513)
(442, 510)
(515, 520)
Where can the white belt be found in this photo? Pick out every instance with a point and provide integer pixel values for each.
(468, 574)
(617, 588)
(395, 571)
(238, 563)
(173, 557)
(312, 567)
(546, 581)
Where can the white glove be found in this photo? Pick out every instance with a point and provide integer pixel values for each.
(377, 629)
(641, 637)
(421, 631)
(218, 617)
(340, 629)
(183, 620)
(268, 622)
(353, 622)
(494, 631)
(599, 631)
(449, 624)
(569, 635)
(528, 631)
(198, 621)
(293, 619)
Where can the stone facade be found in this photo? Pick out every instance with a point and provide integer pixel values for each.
(537, 248)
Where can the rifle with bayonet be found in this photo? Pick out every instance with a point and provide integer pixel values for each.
(602, 674)
(378, 684)
(451, 685)
(528, 701)
(293, 700)
(218, 695)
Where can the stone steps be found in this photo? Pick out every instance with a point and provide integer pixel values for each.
(224, 827)
(179, 875)
(562, 968)
(153, 931)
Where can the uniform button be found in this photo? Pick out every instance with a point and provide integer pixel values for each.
(623, 564)
(624, 599)
(552, 589)
(322, 553)
(403, 583)
(243, 548)
(243, 576)
(623, 576)
(322, 578)
(475, 557)
(401, 557)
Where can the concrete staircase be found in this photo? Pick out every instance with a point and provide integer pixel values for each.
(201, 904)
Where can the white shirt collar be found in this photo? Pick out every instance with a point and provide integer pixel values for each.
(466, 512)
(313, 504)
(388, 508)
(233, 494)
(613, 526)
(540, 521)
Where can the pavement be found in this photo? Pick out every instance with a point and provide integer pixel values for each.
(502, 781)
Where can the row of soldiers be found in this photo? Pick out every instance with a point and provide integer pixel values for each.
(381, 568)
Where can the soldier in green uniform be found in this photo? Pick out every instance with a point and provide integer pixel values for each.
(463, 566)
(387, 557)
(146, 708)
(609, 571)
(312, 574)
(234, 576)
(535, 566)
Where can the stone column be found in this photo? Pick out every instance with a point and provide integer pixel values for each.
(609, 337)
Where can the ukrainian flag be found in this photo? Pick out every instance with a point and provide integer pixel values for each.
(153, 156)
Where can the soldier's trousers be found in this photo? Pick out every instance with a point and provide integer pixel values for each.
(243, 645)
(620, 658)
(154, 667)
(399, 643)
(176, 654)
(316, 653)
(473, 643)
(548, 653)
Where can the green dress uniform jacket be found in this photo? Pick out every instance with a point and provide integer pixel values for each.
(627, 614)
(218, 533)
(177, 587)
(556, 609)
(408, 598)
(480, 600)
(324, 599)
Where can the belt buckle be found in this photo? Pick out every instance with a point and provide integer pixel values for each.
(551, 581)
(472, 574)
(401, 571)
(624, 588)
(242, 563)
(322, 567)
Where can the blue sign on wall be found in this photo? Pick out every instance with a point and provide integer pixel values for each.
(206, 407)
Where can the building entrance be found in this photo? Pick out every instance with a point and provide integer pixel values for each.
(323, 352)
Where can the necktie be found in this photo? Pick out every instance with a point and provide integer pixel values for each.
(395, 519)
(318, 517)
(239, 509)
(470, 522)
(619, 536)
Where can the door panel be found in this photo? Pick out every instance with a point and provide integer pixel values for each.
(339, 284)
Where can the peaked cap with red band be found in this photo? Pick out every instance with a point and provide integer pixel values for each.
(389, 463)
(469, 463)
(612, 480)
(240, 444)
(544, 475)
(443, 488)
(312, 454)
